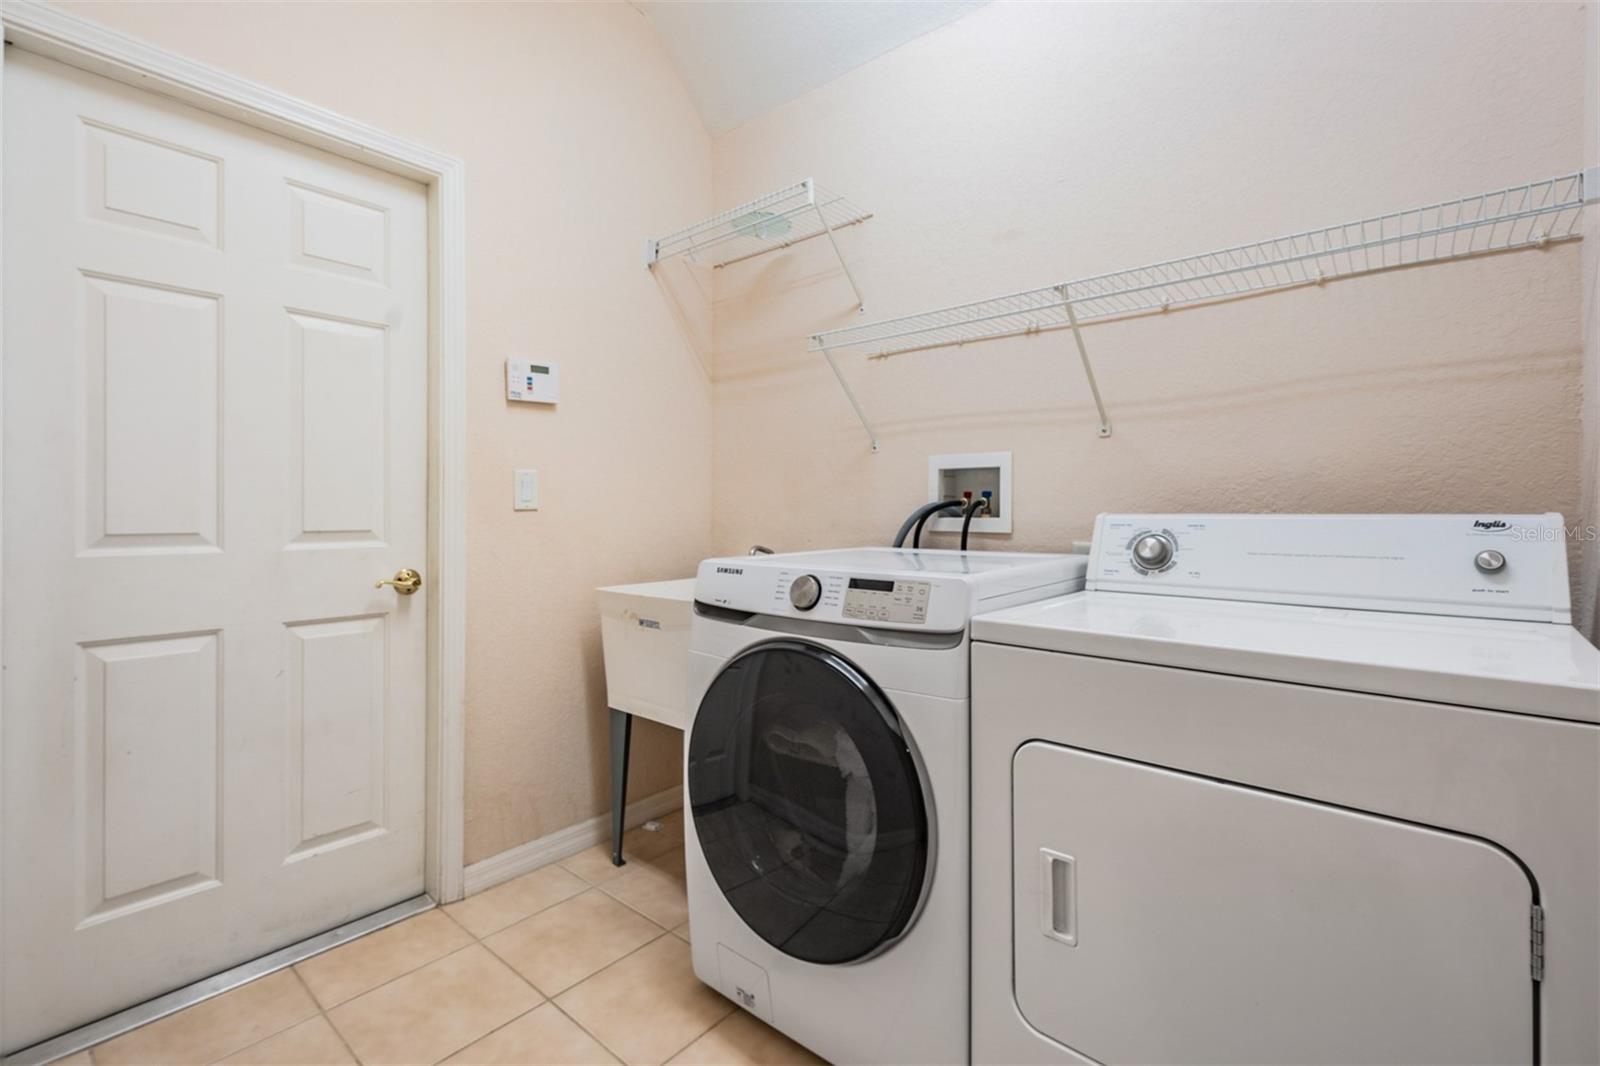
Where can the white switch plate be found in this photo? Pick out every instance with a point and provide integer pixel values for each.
(525, 490)
(530, 382)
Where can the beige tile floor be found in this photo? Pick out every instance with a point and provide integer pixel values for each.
(578, 962)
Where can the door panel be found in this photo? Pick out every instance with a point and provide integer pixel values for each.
(336, 724)
(339, 234)
(149, 727)
(134, 181)
(340, 390)
(216, 373)
(1163, 917)
(150, 482)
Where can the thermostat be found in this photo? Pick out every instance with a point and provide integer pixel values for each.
(532, 382)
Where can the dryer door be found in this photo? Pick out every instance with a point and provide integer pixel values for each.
(809, 803)
(1164, 917)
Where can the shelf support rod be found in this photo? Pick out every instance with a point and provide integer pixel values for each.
(861, 305)
(851, 396)
(1083, 356)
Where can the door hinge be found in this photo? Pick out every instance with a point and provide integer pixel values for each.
(1536, 941)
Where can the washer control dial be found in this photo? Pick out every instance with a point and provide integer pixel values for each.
(1153, 551)
(804, 592)
(1490, 561)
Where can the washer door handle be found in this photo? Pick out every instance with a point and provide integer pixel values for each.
(1058, 896)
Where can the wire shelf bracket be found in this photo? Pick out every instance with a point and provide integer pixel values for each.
(1533, 215)
(780, 219)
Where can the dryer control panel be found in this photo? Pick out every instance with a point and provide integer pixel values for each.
(1478, 566)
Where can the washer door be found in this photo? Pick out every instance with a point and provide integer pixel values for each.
(808, 803)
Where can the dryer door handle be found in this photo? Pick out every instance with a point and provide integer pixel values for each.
(1058, 896)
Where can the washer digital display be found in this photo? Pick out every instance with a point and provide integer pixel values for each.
(881, 600)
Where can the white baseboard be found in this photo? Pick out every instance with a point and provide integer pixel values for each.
(514, 862)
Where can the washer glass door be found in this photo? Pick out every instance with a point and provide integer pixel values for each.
(808, 803)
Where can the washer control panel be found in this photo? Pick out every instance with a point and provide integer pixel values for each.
(870, 599)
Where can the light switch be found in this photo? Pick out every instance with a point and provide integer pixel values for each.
(525, 493)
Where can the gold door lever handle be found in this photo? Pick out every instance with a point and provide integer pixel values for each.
(405, 581)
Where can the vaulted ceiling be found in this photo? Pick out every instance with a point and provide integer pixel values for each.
(740, 58)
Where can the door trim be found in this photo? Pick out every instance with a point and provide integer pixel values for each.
(49, 31)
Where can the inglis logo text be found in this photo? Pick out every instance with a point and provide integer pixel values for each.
(730, 569)
(1490, 524)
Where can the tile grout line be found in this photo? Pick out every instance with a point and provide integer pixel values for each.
(321, 1009)
(596, 1037)
(607, 1048)
(600, 885)
(235, 1051)
(589, 886)
(340, 1037)
(466, 947)
(334, 1029)
(482, 941)
(669, 932)
(586, 883)
(585, 977)
(477, 941)
(493, 1031)
(324, 1012)
(384, 984)
(732, 1007)
(453, 921)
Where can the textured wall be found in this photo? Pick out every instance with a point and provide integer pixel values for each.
(1027, 144)
(579, 141)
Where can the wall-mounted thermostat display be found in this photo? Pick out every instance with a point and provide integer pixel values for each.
(532, 382)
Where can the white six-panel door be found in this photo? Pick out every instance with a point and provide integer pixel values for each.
(215, 389)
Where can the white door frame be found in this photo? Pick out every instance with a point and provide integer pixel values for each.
(49, 31)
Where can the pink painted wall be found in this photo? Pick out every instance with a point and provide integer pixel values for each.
(1032, 143)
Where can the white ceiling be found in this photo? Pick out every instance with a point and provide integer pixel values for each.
(741, 58)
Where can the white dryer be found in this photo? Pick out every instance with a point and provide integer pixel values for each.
(826, 788)
(1291, 789)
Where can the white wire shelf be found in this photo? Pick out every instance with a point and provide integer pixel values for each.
(777, 220)
(1522, 216)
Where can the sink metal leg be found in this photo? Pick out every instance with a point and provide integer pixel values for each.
(621, 737)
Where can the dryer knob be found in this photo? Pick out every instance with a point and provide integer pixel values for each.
(805, 592)
(1490, 562)
(1152, 551)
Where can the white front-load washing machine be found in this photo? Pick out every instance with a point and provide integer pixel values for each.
(826, 788)
(1291, 789)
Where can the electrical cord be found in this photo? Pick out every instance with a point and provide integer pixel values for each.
(920, 516)
(979, 504)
